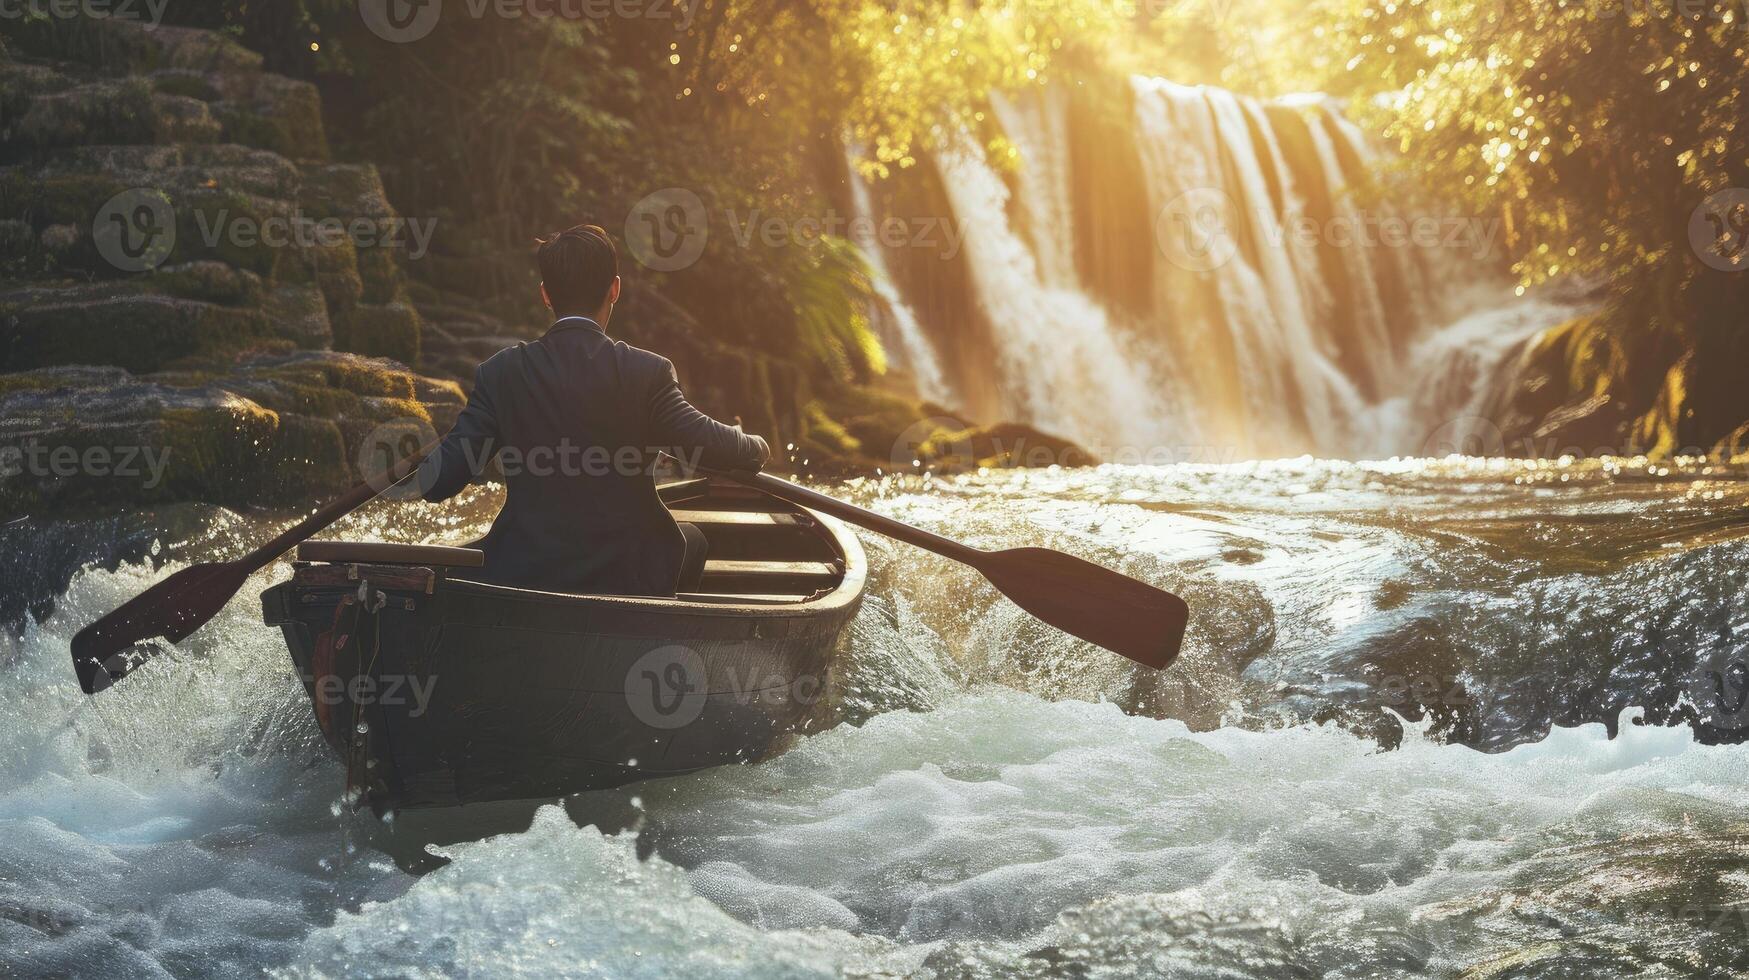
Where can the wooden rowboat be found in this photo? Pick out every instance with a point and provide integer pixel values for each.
(437, 691)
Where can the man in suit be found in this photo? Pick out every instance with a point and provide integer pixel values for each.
(575, 420)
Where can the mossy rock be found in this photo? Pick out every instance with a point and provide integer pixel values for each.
(21, 82)
(139, 331)
(119, 46)
(59, 199)
(299, 314)
(186, 83)
(264, 430)
(288, 137)
(308, 459)
(19, 244)
(232, 227)
(825, 432)
(272, 112)
(109, 438)
(390, 330)
(113, 112)
(333, 267)
(379, 274)
(345, 190)
(213, 282)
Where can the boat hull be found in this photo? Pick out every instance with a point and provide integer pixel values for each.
(438, 692)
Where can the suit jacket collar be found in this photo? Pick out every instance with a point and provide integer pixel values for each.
(576, 323)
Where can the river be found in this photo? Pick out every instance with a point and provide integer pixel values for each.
(1433, 718)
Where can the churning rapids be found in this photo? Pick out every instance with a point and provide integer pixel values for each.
(1407, 737)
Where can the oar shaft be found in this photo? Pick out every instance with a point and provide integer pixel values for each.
(803, 497)
(355, 498)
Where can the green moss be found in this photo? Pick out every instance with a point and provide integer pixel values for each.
(210, 281)
(65, 199)
(380, 331)
(379, 275)
(334, 269)
(308, 458)
(216, 454)
(11, 384)
(108, 112)
(826, 432)
(225, 226)
(186, 84)
(139, 333)
(292, 129)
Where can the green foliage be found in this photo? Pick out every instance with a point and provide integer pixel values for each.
(832, 295)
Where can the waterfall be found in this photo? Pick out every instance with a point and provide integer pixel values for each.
(899, 329)
(1063, 362)
(1275, 304)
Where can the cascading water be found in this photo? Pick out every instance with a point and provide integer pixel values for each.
(900, 329)
(1287, 310)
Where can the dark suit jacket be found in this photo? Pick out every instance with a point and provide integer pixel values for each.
(575, 419)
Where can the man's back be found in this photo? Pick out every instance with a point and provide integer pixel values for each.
(576, 419)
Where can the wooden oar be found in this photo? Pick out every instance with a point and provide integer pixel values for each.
(107, 650)
(1103, 607)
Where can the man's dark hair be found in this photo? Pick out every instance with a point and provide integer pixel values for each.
(578, 266)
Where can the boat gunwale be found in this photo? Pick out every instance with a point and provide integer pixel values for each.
(848, 591)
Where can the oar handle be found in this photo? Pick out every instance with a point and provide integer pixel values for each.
(880, 523)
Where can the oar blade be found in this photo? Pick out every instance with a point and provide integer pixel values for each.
(1126, 616)
(107, 650)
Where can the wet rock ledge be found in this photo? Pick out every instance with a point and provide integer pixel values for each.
(261, 367)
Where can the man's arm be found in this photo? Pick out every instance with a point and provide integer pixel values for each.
(466, 450)
(696, 438)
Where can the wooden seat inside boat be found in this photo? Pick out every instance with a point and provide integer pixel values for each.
(759, 554)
